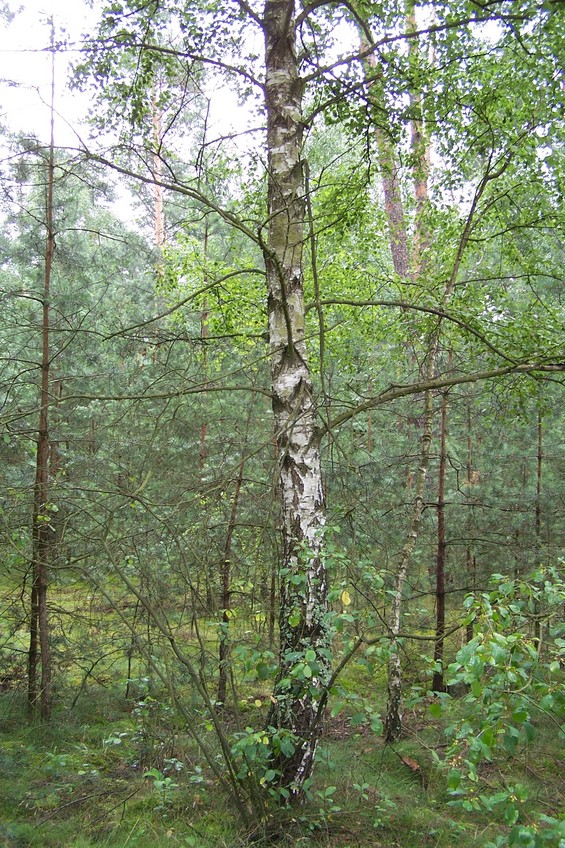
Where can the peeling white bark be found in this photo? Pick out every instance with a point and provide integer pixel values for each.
(303, 615)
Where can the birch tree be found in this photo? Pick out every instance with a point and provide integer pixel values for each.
(216, 36)
(305, 640)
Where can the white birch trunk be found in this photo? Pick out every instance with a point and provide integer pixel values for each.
(303, 606)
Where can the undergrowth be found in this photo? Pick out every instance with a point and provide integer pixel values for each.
(102, 775)
(483, 768)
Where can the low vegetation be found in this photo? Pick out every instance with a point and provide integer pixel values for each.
(479, 765)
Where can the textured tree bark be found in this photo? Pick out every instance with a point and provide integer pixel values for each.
(420, 145)
(159, 207)
(421, 152)
(33, 648)
(204, 336)
(305, 642)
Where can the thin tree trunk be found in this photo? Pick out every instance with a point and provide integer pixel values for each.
(159, 207)
(389, 167)
(272, 605)
(131, 651)
(203, 337)
(33, 650)
(539, 469)
(305, 639)
(204, 312)
(224, 649)
(393, 717)
(398, 239)
(438, 680)
(470, 558)
(41, 533)
(210, 598)
(421, 152)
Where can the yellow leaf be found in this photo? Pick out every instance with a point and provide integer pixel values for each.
(345, 598)
(258, 703)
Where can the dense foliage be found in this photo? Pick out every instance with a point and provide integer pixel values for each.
(302, 427)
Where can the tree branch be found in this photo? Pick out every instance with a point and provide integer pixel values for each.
(396, 392)
(400, 304)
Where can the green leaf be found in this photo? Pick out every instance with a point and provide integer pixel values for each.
(520, 715)
(511, 815)
(376, 725)
(476, 688)
(287, 747)
(454, 779)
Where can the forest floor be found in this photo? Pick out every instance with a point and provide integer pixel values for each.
(81, 781)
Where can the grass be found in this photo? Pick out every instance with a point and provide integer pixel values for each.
(69, 784)
(79, 782)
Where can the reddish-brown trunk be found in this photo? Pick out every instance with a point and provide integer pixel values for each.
(33, 650)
